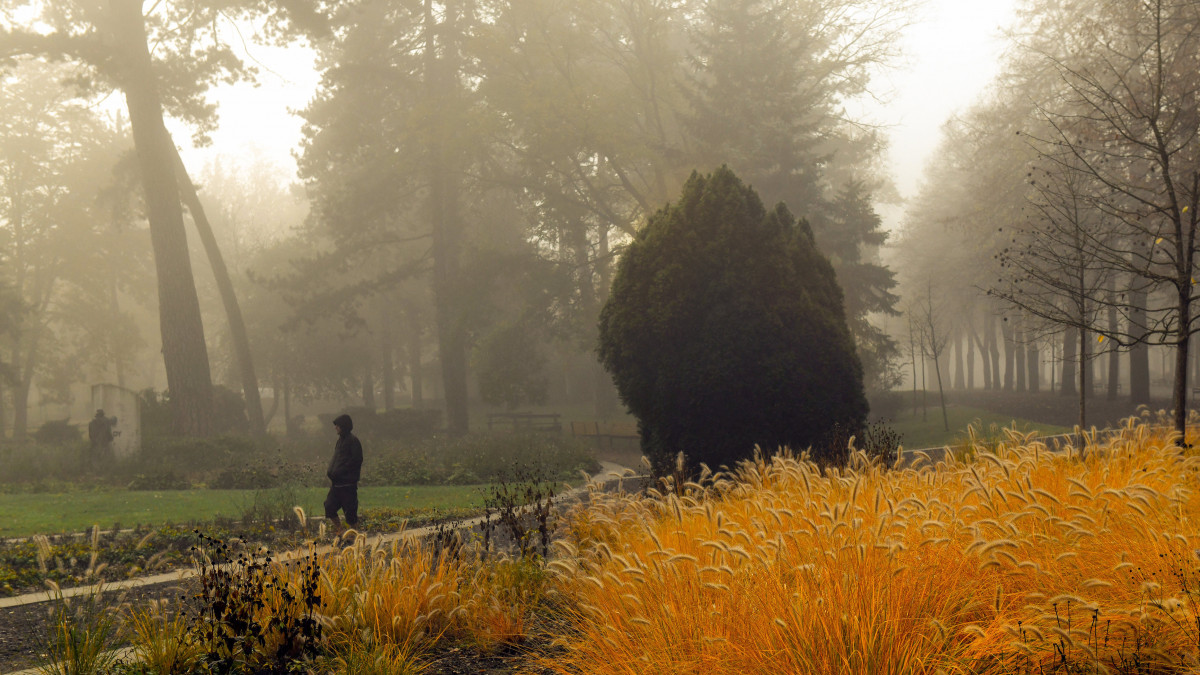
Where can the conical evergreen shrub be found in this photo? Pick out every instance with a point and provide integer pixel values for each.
(725, 329)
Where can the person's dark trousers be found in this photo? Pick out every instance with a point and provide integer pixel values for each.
(344, 497)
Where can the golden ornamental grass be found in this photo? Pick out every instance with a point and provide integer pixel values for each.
(405, 596)
(1013, 562)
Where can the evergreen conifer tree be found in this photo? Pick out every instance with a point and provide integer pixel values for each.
(725, 329)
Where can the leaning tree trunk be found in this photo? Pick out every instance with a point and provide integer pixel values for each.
(233, 311)
(185, 355)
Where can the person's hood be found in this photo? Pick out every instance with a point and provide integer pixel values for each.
(344, 422)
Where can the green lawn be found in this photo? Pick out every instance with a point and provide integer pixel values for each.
(931, 433)
(46, 513)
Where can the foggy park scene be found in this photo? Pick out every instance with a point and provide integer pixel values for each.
(581, 337)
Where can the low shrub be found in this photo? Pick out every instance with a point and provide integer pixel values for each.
(398, 424)
(195, 455)
(229, 412)
(58, 432)
(476, 458)
(34, 463)
(522, 504)
(880, 442)
(885, 405)
(259, 463)
(252, 614)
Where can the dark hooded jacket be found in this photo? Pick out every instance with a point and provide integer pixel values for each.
(346, 465)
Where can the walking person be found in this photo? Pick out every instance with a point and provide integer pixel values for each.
(343, 473)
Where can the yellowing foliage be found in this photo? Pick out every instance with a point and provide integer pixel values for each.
(1015, 562)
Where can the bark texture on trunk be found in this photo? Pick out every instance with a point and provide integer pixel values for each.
(185, 354)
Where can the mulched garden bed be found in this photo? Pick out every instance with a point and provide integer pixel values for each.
(24, 629)
(27, 564)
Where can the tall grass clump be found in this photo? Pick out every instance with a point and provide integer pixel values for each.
(82, 634)
(401, 600)
(162, 641)
(1021, 561)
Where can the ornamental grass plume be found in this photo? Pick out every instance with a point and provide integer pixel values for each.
(1021, 560)
(409, 597)
(161, 640)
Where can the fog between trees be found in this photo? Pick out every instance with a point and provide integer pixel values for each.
(1063, 204)
(472, 169)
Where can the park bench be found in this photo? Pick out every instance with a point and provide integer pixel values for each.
(515, 422)
(606, 434)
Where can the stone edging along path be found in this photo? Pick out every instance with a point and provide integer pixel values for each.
(608, 471)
